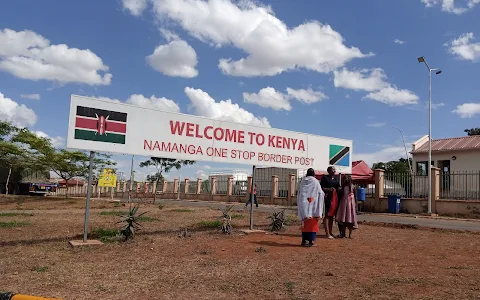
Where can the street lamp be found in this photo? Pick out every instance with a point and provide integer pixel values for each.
(437, 71)
(406, 153)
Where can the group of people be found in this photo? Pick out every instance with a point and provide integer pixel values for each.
(332, 198)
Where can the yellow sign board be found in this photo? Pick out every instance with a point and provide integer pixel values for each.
(107, 178)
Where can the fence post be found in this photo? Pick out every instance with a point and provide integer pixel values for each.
(291, 188)
(164, 187)
(435, 188)
(175, 186)
(379, 184)
(229, 187)
(213, 189)
(274, 189)
(187, 182)
(199, 186)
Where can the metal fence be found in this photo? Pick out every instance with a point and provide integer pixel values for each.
(283, 185)
(406, 185)
(263, 180)
(192, 187)
(240, 186)
(460, 185)
(170, 187)
(222, 185)
(159, 187)
(205, 187)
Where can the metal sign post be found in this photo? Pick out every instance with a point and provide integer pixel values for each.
(130, 189)
(89, 194)
(252, 197)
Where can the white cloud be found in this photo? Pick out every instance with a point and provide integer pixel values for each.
(225, 110)
(162, 103)
(271, 46)
(397, 41)
(135, 7)
(18, 115)
(450, 7)
(437, 105)
(201, 174)
(31, 96)
(268, 97)
(467, 110)
(169, 35)
(393, 96)
(360, 80)
(28, 55)
(376, 125)
(153, 102)
(307, 96)
(384, 155)
(177, 59)
(107, 99)
(464, 48)
(375, 82)
(57, 141)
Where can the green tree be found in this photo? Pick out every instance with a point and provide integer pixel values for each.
(70, 164)
(20, 150)
(163, 165)
(400, 166)
(473, 131)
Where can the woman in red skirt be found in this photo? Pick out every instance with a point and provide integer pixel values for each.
(310, 207)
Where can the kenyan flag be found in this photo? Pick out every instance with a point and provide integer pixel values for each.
(100, 125)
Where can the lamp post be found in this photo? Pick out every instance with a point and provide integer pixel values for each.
(429, 168)
(406, 152)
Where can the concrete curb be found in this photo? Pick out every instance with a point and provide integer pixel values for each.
(11, 296)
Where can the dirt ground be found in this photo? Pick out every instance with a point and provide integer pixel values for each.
(378, 263)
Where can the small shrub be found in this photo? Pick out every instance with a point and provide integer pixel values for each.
(105, 235)
(116, 204)
(39, 269)
(278, 220)
(185, 233)
(211, 224)
(112, 213)
(260, 250)
(14, 224)
(181, 210)
(227, 220)
(15, 214)
(161, 206)
(238, 216)
(146, 219)
(131, 223)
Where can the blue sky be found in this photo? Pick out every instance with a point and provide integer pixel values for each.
(345, 69)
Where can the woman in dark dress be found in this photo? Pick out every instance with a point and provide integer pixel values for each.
(330, 184)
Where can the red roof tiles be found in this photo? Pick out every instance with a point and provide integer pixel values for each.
(451, 144)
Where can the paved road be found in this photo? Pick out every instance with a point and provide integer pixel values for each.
(440, 223)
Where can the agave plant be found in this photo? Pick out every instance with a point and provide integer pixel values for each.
(131, 223)
(227, 220)
(278, 220)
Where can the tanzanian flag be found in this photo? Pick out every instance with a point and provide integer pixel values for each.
(339, 155)
(100, 125)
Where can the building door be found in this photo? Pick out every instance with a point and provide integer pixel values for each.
(444, 166)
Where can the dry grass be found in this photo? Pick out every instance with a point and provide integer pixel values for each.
(379, 263)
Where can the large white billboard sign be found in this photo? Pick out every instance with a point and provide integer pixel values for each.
(105, 126)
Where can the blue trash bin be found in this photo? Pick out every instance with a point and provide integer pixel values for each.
(394, 204)
(361, 194)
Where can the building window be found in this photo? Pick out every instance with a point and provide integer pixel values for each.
(422, 169)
